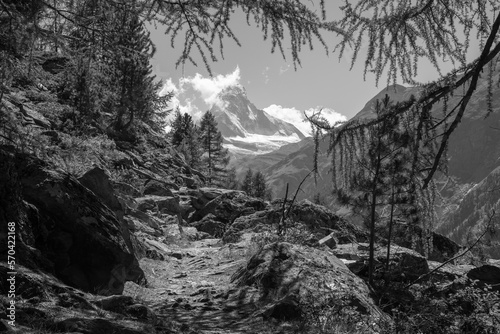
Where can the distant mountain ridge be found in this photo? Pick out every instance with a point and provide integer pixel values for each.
(238, 117)
(473, 152)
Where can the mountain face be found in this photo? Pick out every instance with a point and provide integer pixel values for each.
(247, 129)
(238, 117)
(469, 219)
(473, 153)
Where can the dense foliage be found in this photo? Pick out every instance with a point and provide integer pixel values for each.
(254, 184)
(215, 157)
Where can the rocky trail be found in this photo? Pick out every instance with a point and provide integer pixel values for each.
(192, 287)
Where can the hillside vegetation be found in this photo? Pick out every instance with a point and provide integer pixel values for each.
(108, 225)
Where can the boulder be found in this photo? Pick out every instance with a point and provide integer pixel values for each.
(163, 204)
(191, 182)
(34, 117)
(442, 250)
(486, 275)
(228, 206)
(255, 222)
(153, 187)
(70, 227)
(172, 233)
(127, 189)
(209, 224)
(285, 281)
(404, 264)
(138, 225)
(97, 180)
(322, 222)
(147, 219)
(187, 206)
(316, 219)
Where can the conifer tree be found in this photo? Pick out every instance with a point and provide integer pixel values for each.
(247, 183)
(376, 173)
(259, 185)
(138, 93)
(231, 180)
(111, 75)
(185, 139)
(215, 157)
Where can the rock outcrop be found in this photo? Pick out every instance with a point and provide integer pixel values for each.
(284, 280)
(486, 275)
(66, 225)
(316, 219)
(404, 264)
(442, 249)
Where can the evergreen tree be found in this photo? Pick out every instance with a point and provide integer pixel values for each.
(215, 157)
(247, 183)
(137, 91)
(381, 176)
(185, 139)
(231, 180)
(259, 185)
(111, 74)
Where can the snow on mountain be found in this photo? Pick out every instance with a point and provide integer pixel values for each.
(259, 144)
(247, 129)
(297, 117)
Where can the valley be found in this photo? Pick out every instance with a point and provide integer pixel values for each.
(144, 188)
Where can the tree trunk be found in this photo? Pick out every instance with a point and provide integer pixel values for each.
(371, 260)
(390, 229)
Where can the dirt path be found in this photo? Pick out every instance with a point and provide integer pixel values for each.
(191, 287)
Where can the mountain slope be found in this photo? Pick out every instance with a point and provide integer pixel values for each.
(248, 130)
(238, 117)
(474, 147)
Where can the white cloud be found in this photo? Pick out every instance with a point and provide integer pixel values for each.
(290, 115)
(209, 88)
(329, 114)
(297, 118)
(192, 92)
(169, 86)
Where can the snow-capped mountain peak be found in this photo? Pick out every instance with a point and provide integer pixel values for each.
(240, 121)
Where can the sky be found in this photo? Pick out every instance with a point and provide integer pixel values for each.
(271, 83)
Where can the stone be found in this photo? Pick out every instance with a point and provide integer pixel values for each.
(137, 225)
(282, 279)
(35, 117)
(404, 264)
(97, 180)
(163, 204)
(209, 224)
(146, 218)
(322, 222)
(115, 303)
(127, 189)
(153, 187)
(442, 250)
(92, 252)
(255, 222)
(228, 206)
(486, 275)
(141, 312)
(329, 241)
